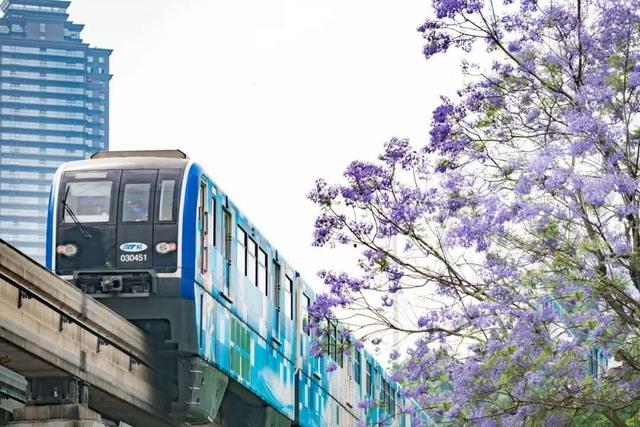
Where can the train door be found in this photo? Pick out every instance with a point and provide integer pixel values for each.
(226, 249)
(165, 229)
(135, 219)
(206, 234)
(203, 231)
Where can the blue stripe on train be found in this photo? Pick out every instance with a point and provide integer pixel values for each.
(188, 243)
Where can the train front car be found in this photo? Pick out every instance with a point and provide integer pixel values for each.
(129, 228)
(113, 224)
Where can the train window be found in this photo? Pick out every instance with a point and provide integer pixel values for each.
(357, 374)
(385, 398)
(340, 351)
(288, 297)
(389, 399)
(89, 201)
(167, 196)
(251, 260)
(346, 354)
(318, 365)
(241, 237)
(306, 302)
(369, 379)
(135, 206)
(392, 405)
(383, 392)
(167, 190)
(201, 206)
(333, 343)
(262, 271)
(213, 220)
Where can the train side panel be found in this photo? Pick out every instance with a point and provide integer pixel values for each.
(234, 318)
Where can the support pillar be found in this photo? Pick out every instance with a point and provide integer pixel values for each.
(56, 402)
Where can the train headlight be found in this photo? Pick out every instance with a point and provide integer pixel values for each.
(165, 247)
(68, 250)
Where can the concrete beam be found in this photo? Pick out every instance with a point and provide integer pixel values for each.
(73, 302)
(49, 328)
(12, 384)
(56, 416)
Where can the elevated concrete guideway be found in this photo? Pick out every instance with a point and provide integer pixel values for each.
(50, 330)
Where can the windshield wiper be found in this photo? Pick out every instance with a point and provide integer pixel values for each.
(73, 216)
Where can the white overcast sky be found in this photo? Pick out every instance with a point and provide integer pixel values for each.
(268, 95)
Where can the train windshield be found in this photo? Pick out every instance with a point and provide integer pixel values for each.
(167, 191)
(114, 219)
(135, 206)
(88, 197)
(89, 201)
(130, 196)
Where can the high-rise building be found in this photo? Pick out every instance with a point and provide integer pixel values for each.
(54, 107)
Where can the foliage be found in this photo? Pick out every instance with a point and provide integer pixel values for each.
(514, 233)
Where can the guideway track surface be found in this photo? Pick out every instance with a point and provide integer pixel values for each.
(50, 328)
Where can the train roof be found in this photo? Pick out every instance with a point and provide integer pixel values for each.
(137, 160)
(169, 154)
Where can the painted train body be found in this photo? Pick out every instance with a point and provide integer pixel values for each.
(153, 236)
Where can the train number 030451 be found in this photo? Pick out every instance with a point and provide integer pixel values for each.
(133, 258)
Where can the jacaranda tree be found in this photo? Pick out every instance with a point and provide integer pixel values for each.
(514, 232)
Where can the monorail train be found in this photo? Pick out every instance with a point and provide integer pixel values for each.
(153, 236)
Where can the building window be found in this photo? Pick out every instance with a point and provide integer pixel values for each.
(43, 28)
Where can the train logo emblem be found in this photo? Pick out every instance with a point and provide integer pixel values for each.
(133, 247)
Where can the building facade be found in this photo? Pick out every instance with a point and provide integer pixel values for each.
(54, 107)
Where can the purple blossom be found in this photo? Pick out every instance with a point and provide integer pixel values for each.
(325, 227)
(449, 8)
(512, 236)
